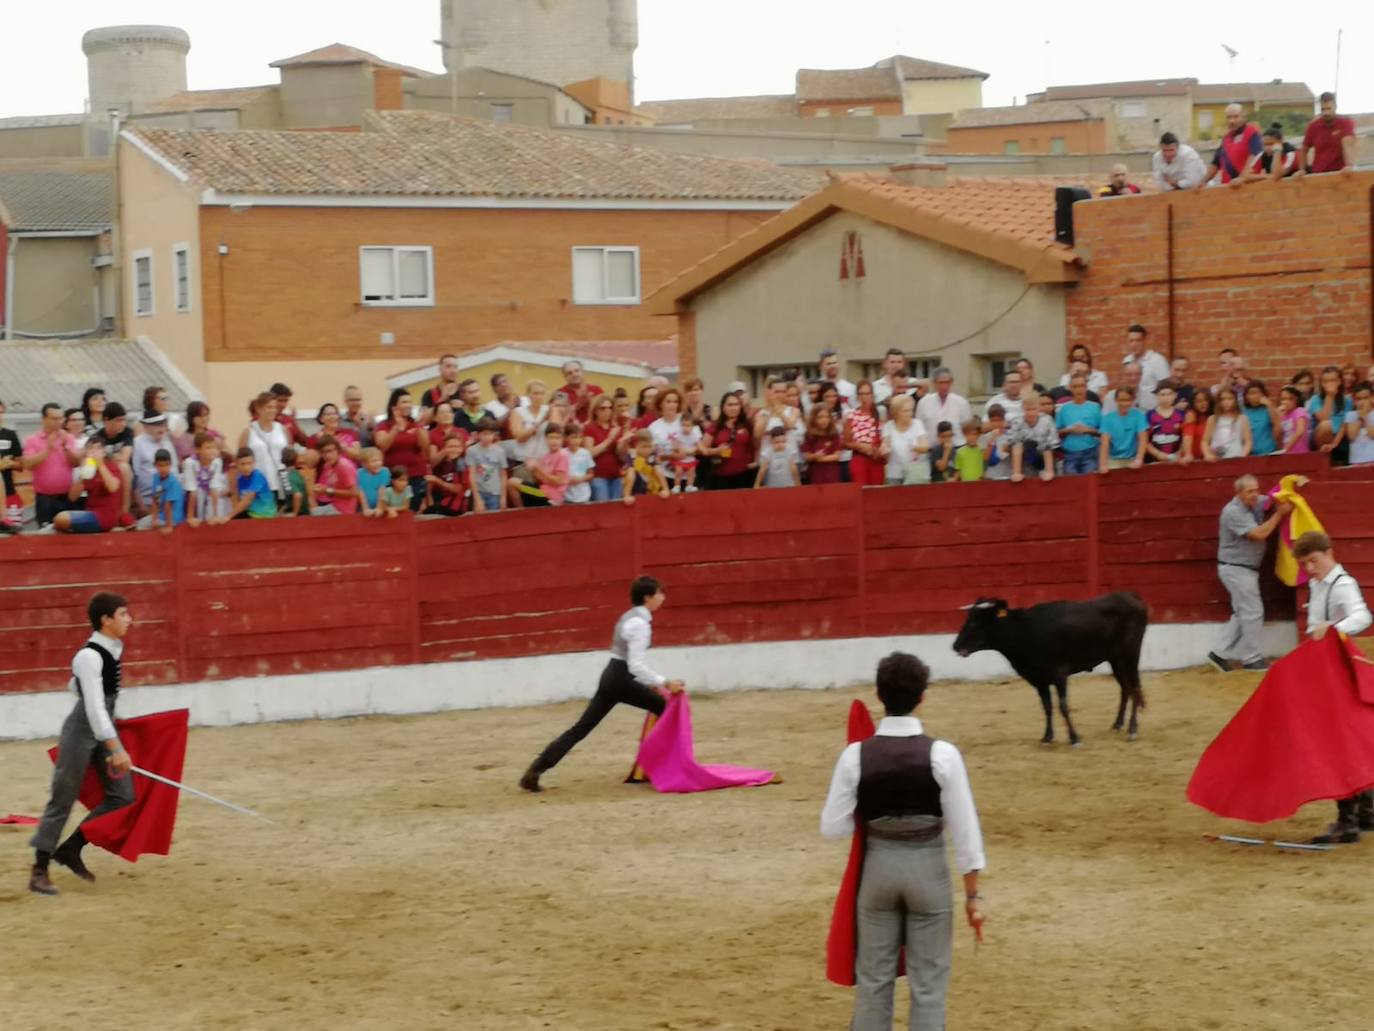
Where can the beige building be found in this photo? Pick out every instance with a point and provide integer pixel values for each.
(966, 275)
(60, 279)
(496, 96)
(1140, 112)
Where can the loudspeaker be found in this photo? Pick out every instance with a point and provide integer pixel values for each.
(1065, 197)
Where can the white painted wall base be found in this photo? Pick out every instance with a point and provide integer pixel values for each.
(538, 680)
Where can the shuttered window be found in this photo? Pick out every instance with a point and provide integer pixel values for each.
(397, 276)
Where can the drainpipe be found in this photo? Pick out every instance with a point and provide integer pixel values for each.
(1371, 272)
(9, 287)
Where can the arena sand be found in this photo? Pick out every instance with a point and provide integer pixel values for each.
(409, 883)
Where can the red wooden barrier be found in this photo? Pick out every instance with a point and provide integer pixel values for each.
(308, 595)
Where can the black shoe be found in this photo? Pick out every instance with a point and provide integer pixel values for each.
(1338, 834)
(71, 859)
(1222, 665)
(1259, 665)
(530, 781)
(9, 529)
(39, 883)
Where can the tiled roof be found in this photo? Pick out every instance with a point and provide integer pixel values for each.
(919, 68)
(1028, 114)
(1252, 93)
(342, 53)
(210, 99)
(652, 354)
(35, 373)
(1137, 88)
(1009, 221)
(419, 154)
(45, 197)
(817, 84)
(700, 109)
(41, 121)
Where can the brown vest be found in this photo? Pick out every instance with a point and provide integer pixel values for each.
(895, 778)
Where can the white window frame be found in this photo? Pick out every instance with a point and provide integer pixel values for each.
(138, 256)
(180, 251)
(605, 277)
(396, 252)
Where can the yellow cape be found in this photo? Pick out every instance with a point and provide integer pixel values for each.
(1300, 521)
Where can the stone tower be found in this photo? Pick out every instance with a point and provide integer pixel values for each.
(557, 41)
(131, 66)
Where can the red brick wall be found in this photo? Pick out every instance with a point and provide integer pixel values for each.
(1279, 271)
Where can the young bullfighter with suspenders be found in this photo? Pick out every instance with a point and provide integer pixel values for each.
(627, 678)
(88, 737)
(907, 788)
(1336, 603)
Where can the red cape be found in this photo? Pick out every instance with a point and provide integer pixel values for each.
(158, 744)
(1306, 734)
(842, 943)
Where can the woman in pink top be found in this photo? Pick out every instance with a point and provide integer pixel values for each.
(336, 483)
(863, 436)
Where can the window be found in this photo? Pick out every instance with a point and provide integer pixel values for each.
(398, 277)
(1057, 145)
(917, 368)
(1011, 147)
(822, 112)
(996, 368)
(143, 283)
(758, 376)
(605, 275)
(181, 272)
(862, 112)
(1134, 109)
(502, 112)
(1204, 119)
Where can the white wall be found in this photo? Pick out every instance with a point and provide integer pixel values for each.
(498, 683)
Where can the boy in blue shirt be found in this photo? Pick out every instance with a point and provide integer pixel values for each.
(1079, 422)
(167, 494)
(253, 498)
(1123, 434)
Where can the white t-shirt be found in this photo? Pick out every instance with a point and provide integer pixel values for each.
(580, 463)
(1012, 409)
(536, 447)
(1097, 381)
(902, 445)
(666, 434)
(932, 410)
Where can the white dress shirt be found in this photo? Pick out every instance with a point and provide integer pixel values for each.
(1153, 370)
(1186, 167)
(633, 635)
(933, 410)
(1011, 409)
(1336, 600)
(1097, 381)
(89, 685)
(956, 797)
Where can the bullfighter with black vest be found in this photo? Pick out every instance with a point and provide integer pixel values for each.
(905, 789)
(88, 738)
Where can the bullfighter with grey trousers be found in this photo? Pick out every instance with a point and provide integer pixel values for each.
(907, 789)
(1241, 541)
(88, 738)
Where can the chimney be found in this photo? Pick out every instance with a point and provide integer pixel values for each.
(920, 173)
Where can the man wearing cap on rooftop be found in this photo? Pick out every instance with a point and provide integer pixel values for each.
(151, 440)
(287, 415)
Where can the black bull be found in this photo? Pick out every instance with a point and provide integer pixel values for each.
(1048, 643)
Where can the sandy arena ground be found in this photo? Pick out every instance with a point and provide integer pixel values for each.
(411, 885)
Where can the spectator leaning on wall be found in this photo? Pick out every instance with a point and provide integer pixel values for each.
(1176, 165)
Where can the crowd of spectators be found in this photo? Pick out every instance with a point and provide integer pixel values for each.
(458, 448)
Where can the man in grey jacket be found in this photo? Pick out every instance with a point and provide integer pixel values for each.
(1240, 550)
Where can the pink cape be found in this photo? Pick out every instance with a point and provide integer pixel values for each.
(158, 744)
(667, 756)
(1305, 735)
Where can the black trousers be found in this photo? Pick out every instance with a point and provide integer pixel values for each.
(616, 687)
(1356, 809)
(46, 507)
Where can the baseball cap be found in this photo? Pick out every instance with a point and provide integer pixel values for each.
(737, 387)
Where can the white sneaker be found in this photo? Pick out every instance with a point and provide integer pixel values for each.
(691, 488)
(677, 488)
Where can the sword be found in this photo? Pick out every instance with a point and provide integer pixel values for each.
(200, 794)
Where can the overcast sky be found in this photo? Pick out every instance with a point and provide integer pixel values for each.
(693, 48)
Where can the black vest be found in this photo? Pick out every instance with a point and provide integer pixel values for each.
(895, 778)
(110, 674)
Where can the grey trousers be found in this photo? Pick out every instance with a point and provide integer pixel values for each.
(904, 897)
(77, 749)
(1240, 639)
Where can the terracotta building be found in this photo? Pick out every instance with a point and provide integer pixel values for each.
(1050, 127)
(323, 259)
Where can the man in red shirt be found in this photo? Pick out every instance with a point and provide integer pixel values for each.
(1238, 159)
(577, 391)
(287, 416)
(1330, 140)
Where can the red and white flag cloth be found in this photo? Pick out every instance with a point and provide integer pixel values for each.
(158, 744)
